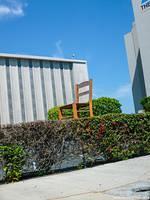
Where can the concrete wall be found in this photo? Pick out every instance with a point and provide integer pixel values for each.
(29, 86)
(138, 51)
(142, 21)
(135, 67)
(132, 52)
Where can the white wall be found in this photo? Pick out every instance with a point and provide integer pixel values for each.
(34, 88)
(4, 107)
(80, 74)
(58, 84)
(142, 20)
(68, 83)
(38, 90)
(25, 70)
(15, 91)
(48, 84)
(131, 54)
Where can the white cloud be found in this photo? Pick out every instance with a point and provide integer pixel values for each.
(59, 50)
(5, 11)
(11, 8)
(123, 91)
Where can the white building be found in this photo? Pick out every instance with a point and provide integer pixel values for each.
(31, 85)
(138, 51)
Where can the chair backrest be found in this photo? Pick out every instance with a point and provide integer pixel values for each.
(80, 92)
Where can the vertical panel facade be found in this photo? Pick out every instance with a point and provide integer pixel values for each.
(25, 71)
(39, 103)
(58, 83)
(47, 72)
(16, 103)
(68, 83)
(80, 73)
(4, 107)
(31, 85)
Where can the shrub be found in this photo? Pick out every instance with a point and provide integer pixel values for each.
(105, 105)
(146, 104)
(52, 143)
(13, 159)
(125, 136)
(53, 113)
(101, 106)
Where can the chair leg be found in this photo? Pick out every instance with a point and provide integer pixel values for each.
(60, 114)
(91, 109)
(75, 114)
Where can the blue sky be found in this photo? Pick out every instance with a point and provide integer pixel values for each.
(91, 29)
(144, 1)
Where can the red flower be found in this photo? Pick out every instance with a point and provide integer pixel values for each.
(102, 129)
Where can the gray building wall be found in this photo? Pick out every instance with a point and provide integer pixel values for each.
(135, 68)
(30, 85)
(138, 52)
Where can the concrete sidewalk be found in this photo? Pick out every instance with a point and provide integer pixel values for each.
(88, 184)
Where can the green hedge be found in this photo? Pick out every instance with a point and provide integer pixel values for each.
(47, 143)
(106, 105)
(113, 136)
(53, 113)
(125, 136)
(101, 106)
(13, 159)
(146, 104)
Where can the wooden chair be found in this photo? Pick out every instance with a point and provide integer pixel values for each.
(78, 107)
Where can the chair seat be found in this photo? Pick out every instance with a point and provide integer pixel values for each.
(69, 106)
(82, 105)
(79, 105)
(65, 118)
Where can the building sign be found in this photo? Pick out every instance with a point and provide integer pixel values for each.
(145, 4)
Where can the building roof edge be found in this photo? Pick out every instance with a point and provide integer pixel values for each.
(32, 57)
